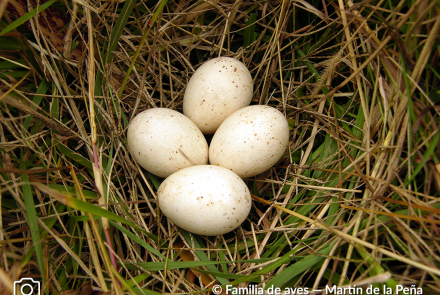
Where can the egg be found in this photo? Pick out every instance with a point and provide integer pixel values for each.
(218, 88)
(164, 141)
(205, 200)
(250, 141)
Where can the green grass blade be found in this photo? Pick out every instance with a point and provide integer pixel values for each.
(26, 17)
(249, 32)
(154, 180)
(114, 39)
(8, 65)
(122, 281)
(90, 195)
(118, 29)
(137, 240)
(231, 276)
(84, 206)
(131, 284)
(375, 267)
(159, 266)
(77, 158)
(42, 89)
(298, 267)
(50, 223)
(282, 260)
(426, 155)
(202, 256)
(138, 279)
(144, 37)
(33, 221)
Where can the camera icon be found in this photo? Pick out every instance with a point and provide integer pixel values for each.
(26, 286)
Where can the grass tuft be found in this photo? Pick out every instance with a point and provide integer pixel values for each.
(354, 200)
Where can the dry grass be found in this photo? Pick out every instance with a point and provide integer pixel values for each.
(354, 201)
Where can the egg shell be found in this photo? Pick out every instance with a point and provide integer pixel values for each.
(164, 141)
(250, 141)
(205, 200)
(218, 88)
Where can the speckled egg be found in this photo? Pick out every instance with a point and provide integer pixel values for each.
(250, 141)
(218, 88)
(164, 141)
(205, 200)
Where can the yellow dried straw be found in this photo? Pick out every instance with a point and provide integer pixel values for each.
(351, 239)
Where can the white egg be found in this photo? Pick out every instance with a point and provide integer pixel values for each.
(164, 141)
(218, 88)
(205, 200)
(250, 141)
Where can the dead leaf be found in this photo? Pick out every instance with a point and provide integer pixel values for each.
(51, 24)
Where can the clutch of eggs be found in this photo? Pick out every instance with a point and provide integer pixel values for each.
(248, 140)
